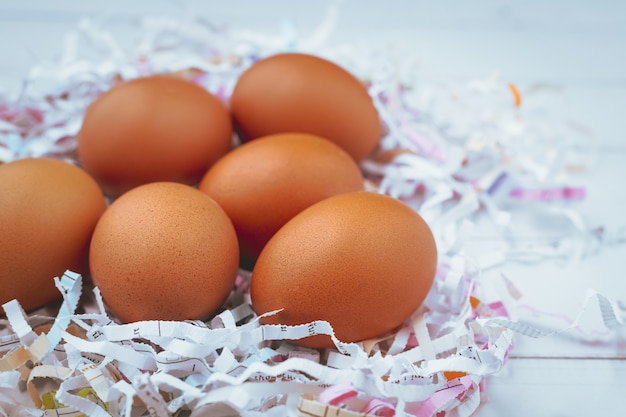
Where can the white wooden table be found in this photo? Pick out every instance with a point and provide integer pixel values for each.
(577, 47)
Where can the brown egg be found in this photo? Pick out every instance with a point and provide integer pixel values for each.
(362, 261)
(294, 92)
(48, 210)
(164, 251)
(264, 183)
(157, 128)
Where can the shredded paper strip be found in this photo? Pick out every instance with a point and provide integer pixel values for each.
(456, 152)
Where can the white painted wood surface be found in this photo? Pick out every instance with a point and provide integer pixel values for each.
(578, 47)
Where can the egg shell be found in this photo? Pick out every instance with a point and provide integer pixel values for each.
(296, 92)
(362, 261)
(264, 183)
(48, 210)
(164, 251)
(156, 128)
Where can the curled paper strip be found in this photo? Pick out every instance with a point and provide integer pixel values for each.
(452, 151)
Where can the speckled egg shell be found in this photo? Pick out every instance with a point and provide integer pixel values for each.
(296, 92)
(264, 183)
(156, 128)
(362, 261)
(164, 251)
(48, 211)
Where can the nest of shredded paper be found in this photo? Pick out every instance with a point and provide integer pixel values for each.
(459, 153)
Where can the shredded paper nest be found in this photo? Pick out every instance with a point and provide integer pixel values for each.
(460, 153)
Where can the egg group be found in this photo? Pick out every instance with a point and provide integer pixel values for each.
(198, 188)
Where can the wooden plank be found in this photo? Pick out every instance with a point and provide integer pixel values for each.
(556, 387)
